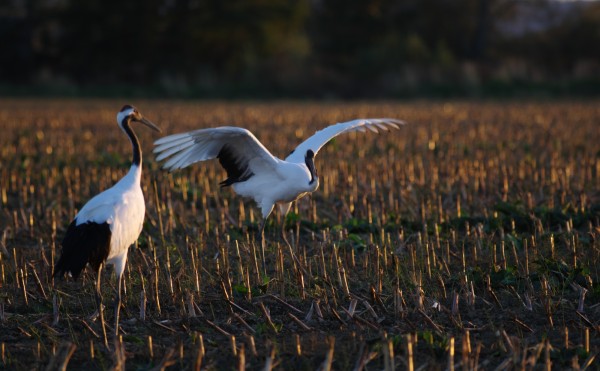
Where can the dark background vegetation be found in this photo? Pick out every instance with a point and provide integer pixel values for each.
(299, 48)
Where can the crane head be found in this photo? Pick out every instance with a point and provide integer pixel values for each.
(129, 113)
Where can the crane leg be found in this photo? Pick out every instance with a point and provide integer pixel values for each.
(99, 304)
(295, 260)
(261, 236)
(118, 303)
(283, 234)
(284, 208)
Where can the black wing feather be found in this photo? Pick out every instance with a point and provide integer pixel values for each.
(85, 243)
(236, 166)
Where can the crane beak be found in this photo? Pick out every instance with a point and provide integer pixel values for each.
(149, 124)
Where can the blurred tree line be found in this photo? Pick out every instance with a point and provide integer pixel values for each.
(316, 48)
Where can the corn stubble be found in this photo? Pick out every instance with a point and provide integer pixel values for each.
(466, 240)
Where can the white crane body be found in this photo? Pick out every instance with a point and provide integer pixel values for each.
(109, 223)
(252, 170)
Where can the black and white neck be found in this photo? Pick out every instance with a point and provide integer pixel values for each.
(135, 143)
(310, 164)
(124, 118)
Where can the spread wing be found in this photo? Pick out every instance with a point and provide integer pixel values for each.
(321, 137)
(237, 149)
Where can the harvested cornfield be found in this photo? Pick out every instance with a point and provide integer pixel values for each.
(467, 239)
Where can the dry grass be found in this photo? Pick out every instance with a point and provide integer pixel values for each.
(468, 239)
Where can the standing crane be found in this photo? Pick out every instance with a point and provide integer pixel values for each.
(251, 169)
(109, 223)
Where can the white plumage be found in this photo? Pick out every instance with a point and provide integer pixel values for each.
(252, 170)
(122, 207)
(109, 223)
